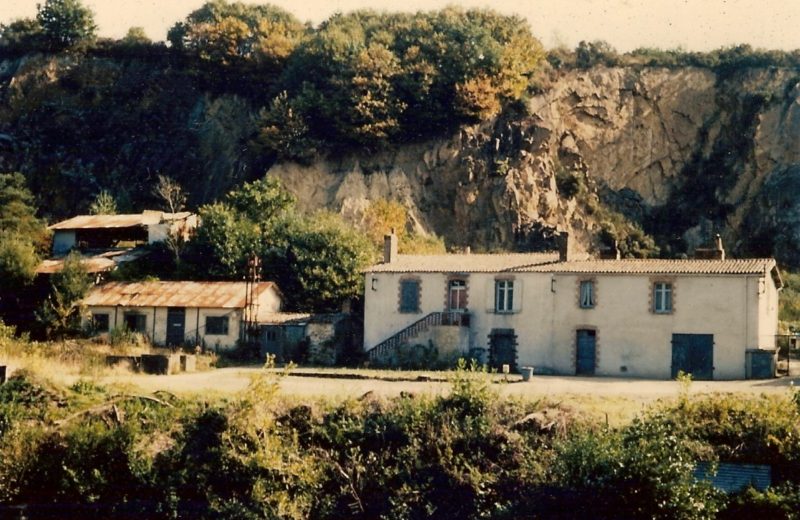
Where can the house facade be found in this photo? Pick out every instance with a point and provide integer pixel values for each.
(612, 317)
(209, 314)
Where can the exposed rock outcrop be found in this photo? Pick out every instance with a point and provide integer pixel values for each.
(682, 152)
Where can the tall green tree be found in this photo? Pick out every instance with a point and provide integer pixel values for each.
(18, 213)
(66, 23)
(317, 260)
(62, 311)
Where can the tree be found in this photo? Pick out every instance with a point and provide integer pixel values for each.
(21, 36)
(171, 194)
(17, 213)
(317, 260)
(136, 36)
(231, 34)
(62, 311)
(66, 23)
(18, 261)
(222, 244)
(103, 204)
(261, 201)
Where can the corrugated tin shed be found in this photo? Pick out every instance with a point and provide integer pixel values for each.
(208, 295)
(732, 477)
(118, 221)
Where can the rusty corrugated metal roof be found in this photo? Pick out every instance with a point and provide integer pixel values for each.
(118, 221)
(212, 295)
(97, 263)
(463, 263)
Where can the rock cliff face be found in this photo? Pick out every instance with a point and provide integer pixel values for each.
(681, 153)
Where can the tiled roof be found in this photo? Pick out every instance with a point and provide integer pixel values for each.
(657, 266)
(463, 263)
(549, 263)
(213, 295)
(117, 221)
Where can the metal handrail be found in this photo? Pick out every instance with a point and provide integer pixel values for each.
(433, 319)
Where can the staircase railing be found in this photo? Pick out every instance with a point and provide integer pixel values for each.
(385, 347)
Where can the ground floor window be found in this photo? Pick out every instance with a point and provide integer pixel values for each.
(135, 322)
(217, 325)
(100, 321)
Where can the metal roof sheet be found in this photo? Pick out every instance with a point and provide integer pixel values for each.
(117, 221)
(464, 263)
(216, 295)
(96, 263)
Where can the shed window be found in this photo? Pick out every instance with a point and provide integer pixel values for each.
(662, 298)
(586, 300)
(100, 321)
(217, 325)
(135, 322)
(409, 296)
(504, 295)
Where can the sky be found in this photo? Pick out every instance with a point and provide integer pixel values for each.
(695, 25)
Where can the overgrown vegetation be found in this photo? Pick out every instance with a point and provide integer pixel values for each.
(93, 450)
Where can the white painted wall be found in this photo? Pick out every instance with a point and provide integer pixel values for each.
(158, 316)
(740, 311)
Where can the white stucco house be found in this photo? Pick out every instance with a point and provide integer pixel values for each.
(210, 314)
(561, 314)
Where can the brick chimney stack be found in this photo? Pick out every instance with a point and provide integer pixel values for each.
(390, 247)
(565, 252)
(720, 250)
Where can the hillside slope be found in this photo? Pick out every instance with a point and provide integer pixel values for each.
(625, 153)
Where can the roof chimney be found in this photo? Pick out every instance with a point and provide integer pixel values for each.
(565, 252)
(611, 252)
(717, 252)
(390, 247)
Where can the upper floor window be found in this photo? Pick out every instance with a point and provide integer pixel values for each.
(457, 295)
(504, 295)
(409, 295)
(586, 296)
(662, 297)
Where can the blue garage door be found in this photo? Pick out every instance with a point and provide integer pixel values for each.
(586, 352)
(693, 354)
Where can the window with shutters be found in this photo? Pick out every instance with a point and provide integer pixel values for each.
(409, 295)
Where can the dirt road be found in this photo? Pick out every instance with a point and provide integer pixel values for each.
(231, 380)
